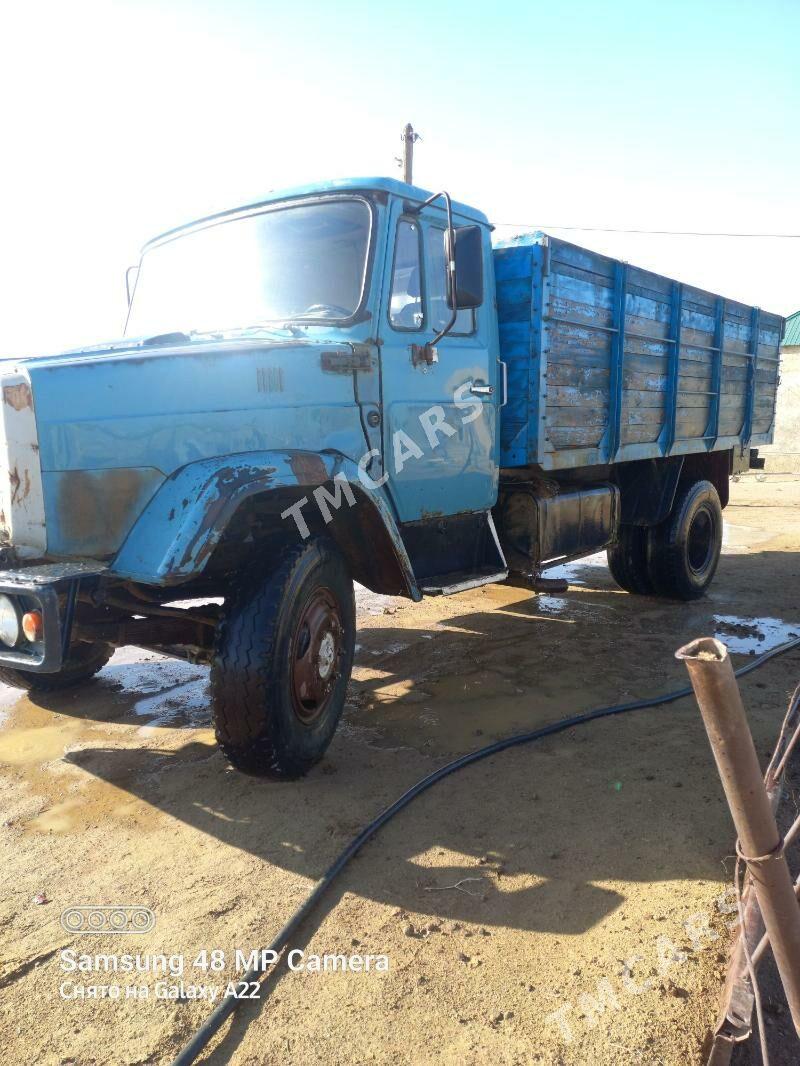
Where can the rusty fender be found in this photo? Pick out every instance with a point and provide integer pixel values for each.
(176, 533)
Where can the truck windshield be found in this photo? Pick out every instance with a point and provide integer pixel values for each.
(290, 264)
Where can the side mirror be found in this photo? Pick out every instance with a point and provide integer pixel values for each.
(467, 288)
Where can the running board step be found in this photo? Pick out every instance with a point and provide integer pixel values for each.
(461, 580)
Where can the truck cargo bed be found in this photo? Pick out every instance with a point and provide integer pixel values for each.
(608, 362)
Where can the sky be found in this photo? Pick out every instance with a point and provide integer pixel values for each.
(121, 119)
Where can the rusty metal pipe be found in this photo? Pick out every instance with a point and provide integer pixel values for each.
(763, 945)
(760, 843)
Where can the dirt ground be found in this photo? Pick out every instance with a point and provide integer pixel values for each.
(533, 907)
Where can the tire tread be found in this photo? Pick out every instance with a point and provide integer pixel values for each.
(242, 682)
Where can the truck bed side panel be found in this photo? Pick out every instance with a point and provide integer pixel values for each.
(608, 362)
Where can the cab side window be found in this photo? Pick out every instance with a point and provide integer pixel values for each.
(405, 305)
(437, 290)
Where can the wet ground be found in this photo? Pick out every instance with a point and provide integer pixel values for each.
(560, 903)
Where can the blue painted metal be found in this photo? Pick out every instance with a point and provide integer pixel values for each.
(669, 432)
(718, 354)
(128, 431)
(119, 420)
(617, 360)
(608, 370)
(177, 532)
(390, 187)
(755, 317)
(114, 424)
(455, 469)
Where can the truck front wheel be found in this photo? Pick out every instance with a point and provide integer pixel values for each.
(684, 550)
(282, 661)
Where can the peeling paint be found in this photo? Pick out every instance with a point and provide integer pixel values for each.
(225, 487)
(18, 396)
(308, 468)
(20, 486)
(97, 508)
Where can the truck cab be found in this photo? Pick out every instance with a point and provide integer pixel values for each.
(309, 392)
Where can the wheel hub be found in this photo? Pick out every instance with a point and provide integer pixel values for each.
(327, 655)
(316, 650)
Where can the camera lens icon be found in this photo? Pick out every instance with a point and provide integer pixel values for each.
(120, 918)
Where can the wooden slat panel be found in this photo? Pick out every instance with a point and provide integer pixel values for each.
(568, 396)
(575, 416)
(590, 377)
(576, 437)
(640, 434)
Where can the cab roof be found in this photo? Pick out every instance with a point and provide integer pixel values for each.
(390, 186)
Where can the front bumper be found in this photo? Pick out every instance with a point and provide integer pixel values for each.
(49, 588)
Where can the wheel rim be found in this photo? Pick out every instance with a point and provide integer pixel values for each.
(700, 543)
(316, 651)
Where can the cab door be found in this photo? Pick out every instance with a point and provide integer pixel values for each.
(439, 419)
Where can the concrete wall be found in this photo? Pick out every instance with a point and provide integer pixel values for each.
(784, 454)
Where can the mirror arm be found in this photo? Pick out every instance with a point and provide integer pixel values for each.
(128, 292)
(450, 267)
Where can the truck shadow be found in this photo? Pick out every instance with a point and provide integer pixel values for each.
(548, 838)
(543, 833)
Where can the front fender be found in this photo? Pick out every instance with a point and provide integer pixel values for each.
(177, 532)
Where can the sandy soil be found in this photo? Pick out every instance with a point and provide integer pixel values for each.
(581, 859)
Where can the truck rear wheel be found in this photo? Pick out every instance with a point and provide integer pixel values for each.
(83, 662)
(282, 661)
(684, 550)
(627, 560)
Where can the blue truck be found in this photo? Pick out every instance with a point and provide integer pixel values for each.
(347, 382)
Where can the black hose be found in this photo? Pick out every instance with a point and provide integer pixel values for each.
(228, 1005)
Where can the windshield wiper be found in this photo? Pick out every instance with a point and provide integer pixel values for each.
(239, 331)
(174, 337)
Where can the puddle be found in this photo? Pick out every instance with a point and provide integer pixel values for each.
(752, 636)
(28, 744)
(186, 704)
(551, 604)
(580, 572)
(98, 803)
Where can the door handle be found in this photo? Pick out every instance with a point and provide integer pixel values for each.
(481, 390)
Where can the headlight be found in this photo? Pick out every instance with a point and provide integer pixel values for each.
(9, 621)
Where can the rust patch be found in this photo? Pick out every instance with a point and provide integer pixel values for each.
(308, 468)
(18, 396)
(20, 486)
(96, 509)
(228, 483)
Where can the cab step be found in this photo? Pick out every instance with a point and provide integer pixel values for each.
(461, 580)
